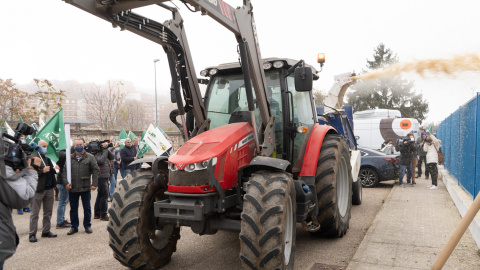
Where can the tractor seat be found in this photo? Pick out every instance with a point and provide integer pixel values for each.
(240, 116)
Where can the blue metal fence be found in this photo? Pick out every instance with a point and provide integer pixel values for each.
(461, 145)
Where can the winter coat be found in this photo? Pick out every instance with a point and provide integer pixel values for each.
(127, 154)
(84, 172)
(13, 194)
(407, 152)
(431, 151)
(116, 154)
(104, 164)
(42, 177)
(420, 150)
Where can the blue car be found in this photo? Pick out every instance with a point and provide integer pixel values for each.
(376, 167)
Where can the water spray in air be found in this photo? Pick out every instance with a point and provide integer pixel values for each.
(458, 63)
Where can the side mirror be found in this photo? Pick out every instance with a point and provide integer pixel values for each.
(303, 79)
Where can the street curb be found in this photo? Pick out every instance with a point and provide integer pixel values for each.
(463, 200)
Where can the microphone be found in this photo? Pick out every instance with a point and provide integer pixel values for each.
(34, 146)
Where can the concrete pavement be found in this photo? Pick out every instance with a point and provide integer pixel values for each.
(411, 230)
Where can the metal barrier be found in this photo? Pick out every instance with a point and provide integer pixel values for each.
(459, 133)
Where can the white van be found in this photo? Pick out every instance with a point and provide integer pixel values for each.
(372, 131)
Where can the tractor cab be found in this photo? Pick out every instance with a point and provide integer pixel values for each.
(294, 111)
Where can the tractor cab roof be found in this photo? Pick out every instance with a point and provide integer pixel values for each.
(235, 66)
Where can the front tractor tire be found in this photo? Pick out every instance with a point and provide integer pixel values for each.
(267, 236)
(134, 239)
(333, 183)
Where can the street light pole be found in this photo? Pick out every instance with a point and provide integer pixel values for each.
(156, 107)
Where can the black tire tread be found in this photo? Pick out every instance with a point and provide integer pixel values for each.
(129, 215)
(261, 236)
(332, 224)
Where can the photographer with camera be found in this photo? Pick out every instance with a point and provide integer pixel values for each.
(18, 182)
(407, 150)
(84, 173)
(99, 150)
(43, 195)
(431, 147)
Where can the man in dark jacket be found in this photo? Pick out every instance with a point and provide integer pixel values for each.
(407, 152)
(43, 195)
(84, 179)
(103, 157)
(127, 155)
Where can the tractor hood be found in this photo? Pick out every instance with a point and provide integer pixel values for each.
(211, 143)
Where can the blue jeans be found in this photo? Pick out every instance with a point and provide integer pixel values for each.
(125, 172)
(62, 203)
(101, 203)
(87, 210)
(113, 182)
(402, 173)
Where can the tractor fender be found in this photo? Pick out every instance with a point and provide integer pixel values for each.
(260, 162)
(150, 159)
(310, 159)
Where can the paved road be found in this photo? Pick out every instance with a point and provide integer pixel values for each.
(219, 251)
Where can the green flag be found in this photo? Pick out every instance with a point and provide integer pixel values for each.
(122, 137)
(143, 147)
(131, 135)
(430, 128)
(53, 133)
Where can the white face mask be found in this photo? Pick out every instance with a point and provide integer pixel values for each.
(412, 139)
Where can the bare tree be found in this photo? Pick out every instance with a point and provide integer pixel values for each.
(103, 104)
(49, 99)
(14, 102)
(132, 115)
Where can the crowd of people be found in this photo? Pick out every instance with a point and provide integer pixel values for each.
(89, 172)
(414, 154)
(34, 182)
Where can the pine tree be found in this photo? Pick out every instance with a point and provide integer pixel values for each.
(394, 93)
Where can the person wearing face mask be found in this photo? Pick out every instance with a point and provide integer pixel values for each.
(84, 173)
(43, 195)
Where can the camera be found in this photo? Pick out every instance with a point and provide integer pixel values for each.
(95, 146)
(15, 151)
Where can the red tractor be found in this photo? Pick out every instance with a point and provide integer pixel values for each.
(255, 158)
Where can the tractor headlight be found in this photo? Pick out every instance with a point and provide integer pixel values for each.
(172, 167)
(213, 71)
(204, 73)
(278, 64)
(190, 168)
(267, 65)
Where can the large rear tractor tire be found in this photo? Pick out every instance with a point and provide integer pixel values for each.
(333, 183)
(134, 239)
(267, 237)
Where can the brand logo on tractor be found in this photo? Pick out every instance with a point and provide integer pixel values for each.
(180, 166)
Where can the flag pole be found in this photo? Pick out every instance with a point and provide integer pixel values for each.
(68, 154)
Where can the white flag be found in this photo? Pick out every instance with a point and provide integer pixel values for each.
(41, 123)
(155, 139)
(9, 129)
